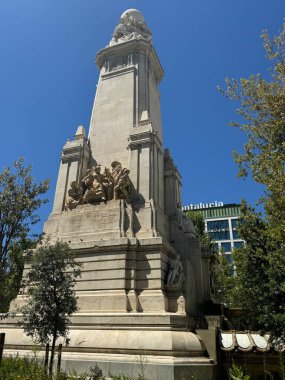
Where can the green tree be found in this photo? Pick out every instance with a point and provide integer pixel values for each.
(50, 286)
(10, 279)
(263, 114)
(224, 279)
(260, 279)
(199, 224)
(20, 197)
(260, 263)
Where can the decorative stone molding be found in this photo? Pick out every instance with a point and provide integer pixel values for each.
(113, 59)
(118, 63)
(144, 138)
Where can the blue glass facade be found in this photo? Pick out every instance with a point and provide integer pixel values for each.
(221, 224)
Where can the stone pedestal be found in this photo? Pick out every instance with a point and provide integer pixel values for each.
(117, 204)
(126, 343)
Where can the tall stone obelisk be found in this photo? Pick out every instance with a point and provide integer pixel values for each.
(117, 203)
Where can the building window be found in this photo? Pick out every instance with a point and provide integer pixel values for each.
(238, 244)
(218, 224)
(235, 223)
(216, 246)
(229, 258)
(226, 247)
(235, 235)
(218, 229)
(219, 235)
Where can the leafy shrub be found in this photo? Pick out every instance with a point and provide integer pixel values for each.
(31, 368)
(236, 373)
(22, 369)
(96, 373)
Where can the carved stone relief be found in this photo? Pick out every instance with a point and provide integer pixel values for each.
(175, 277)
(74, 196)
(99, 187)
(185, 224)
(113, 64)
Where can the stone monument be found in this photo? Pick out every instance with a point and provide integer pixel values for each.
(117, 203)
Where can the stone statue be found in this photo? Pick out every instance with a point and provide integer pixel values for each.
(109, 184)
(121, 181)
(74, 196)
(131, 25)
(214, 268)
(184, 223)
(175, 277)
(97, 187)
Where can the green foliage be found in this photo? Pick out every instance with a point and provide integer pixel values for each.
(21, 368)
(141, 363)
(262, 109)
(223, 271)
(31, 368)
(260, 263)
(96, 373)
(281, 364)
(20, 197)
(236, 373)
(10, 279)
(51, 290)
(199, 224)
(260, 281)
(225, 282)
(124, 377)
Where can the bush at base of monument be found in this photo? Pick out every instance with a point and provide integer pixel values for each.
(52, 296)
(30, 368)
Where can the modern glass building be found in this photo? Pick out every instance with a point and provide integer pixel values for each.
(220, 223)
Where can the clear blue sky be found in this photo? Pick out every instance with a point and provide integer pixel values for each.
(48, 80)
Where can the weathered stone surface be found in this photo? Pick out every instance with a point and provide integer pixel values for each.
(131, 26)
(117, 204)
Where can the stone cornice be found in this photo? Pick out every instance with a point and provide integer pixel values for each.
(72, 150)
(132, 46)
(144, 137)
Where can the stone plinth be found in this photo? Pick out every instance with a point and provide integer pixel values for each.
(119, 343)
(117, 205)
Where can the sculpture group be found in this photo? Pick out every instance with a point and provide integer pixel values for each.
(131, 25)
(99, 187)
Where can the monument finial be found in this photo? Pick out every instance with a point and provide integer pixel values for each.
(131, 26)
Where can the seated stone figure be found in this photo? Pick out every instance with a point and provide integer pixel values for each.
(74, 196)
(121, 181)
(94, 183)
(109, 183)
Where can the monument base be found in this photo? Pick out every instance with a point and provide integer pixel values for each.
(127, 343)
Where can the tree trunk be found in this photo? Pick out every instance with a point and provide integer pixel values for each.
(59, 357)
(46, 358)
(2, 341)
(52, 354)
